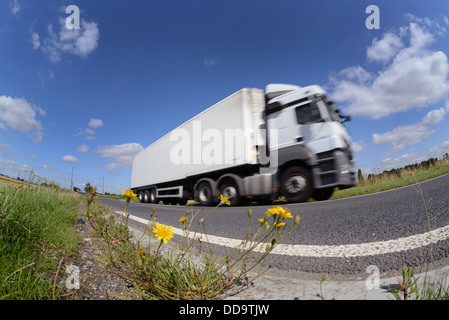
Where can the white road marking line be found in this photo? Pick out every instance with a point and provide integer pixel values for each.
(320, 251)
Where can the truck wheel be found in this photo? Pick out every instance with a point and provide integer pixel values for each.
(141, 196)
(205, 194)
(323, 194)
(230, 191)
(146, 196)
(296, 184)
(153, 198)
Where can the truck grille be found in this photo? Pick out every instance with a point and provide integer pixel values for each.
(326, 165)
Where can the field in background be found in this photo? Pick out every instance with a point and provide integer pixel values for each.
(9, 181)
(396, 178)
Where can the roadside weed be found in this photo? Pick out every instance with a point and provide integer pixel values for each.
(189, 269)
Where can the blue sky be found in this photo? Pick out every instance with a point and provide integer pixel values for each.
(91, 98)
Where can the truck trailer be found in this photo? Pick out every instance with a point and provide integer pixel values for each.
(254, 145)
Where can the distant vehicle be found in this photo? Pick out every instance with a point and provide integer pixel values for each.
(255, 145)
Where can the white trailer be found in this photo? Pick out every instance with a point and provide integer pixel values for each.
(254, 144)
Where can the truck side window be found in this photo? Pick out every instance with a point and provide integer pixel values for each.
(307, 114)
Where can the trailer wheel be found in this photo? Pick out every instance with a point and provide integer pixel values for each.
(146, 196)
(153, 198)
(141, 196)
(229, 190)
(296, 184)
(205, 194)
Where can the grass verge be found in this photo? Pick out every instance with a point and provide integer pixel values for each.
(35, 233)
(384, 182)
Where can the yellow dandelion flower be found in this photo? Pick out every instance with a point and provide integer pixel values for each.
(281, 212)
(274, 211)
(284, 213)
(224, 200)
(142, 253)
(163, 232)
(129, 194)
(263, 221)
(183, 219)
(280, 224)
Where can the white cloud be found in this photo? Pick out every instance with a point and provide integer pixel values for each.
(386, 48)
(89, 133)
(20, 115)
(46, 168)
(95, 123)
(120, 154)
(70, 159)
(440, 149)
(402, 160)
(412, 134)
(80, 42)
(441, 30)
(83, 148)
(15, 6)
(415, 78)
(210, 62)
(5, 145)
(13, 169)
(35, 40)
(112, 168)
(446, 20)
(357, 74)
(358, 146)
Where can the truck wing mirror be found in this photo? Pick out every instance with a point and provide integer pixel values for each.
(346, 118)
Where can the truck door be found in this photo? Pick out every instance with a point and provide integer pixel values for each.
(284, 122)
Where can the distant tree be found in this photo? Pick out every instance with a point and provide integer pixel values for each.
(87, 188)
(360, 175)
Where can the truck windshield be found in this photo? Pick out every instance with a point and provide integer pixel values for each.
(308, 113)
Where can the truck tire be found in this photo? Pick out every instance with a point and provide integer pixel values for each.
(296, 184)
(153, 198)
(141, 196)
(205, 194)
(230, 190)
(146, 196)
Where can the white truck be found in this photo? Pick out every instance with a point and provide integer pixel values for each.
(254, 145)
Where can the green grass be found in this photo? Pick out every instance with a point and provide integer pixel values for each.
(36, 231)
(116, 197)
(392, 181)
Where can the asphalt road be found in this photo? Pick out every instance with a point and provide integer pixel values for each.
(386, 229)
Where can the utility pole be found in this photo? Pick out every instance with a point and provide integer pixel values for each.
(103, 184)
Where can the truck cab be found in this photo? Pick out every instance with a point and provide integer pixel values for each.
(312, 145)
